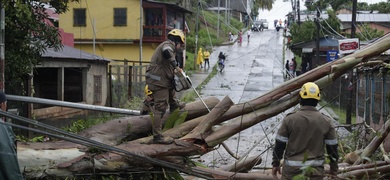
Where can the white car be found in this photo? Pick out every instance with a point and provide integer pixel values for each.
(264, 23)
(259, 25)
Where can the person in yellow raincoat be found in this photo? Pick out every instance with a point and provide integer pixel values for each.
(199, 60)
(206, 55)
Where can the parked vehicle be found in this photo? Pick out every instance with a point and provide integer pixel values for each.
(264, 22)
(257, 26)
(260, 25)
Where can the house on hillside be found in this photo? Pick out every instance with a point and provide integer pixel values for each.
(69, 75)
(308, 49)
(381, 22)
(125, 31)
(349, 11)
(240, 9)
(112, 29)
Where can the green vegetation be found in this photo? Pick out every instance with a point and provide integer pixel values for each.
(339, 111)
(27, 37)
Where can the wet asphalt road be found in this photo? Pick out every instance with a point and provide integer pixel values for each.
(252, 69)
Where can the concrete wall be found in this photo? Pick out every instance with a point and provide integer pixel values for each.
(121, 51)
(89, 69)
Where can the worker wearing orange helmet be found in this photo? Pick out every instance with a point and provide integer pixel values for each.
(302, 138)
(160, 83)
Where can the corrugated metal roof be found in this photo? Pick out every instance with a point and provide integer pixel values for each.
(172, 5)
(68, 52)
(365, 17)
(216, 9)
(324, 42)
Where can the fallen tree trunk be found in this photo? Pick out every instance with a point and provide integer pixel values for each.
(218, 174)
(244, 164)
(375, 172)
(375, 143)
(254, 111)
(203, 129)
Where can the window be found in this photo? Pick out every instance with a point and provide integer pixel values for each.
(120, 16)
(79, 17)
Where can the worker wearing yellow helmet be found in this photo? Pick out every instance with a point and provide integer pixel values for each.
(160, 83)
(302, 138)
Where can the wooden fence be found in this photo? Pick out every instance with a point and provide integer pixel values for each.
(127, 80)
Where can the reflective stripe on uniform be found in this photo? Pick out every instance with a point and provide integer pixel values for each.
(281, 138)
(307, 163)
(157, 78)
(167, 48)
(331, 141)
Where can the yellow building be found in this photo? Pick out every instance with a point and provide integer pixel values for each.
(111, 28)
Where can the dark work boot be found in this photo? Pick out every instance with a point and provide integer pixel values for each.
(177, 105)
(160, 139)
(145, 112)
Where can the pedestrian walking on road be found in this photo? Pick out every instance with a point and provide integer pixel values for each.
(304, 66)
(159, 89)
(230, 36)
(287, 66)
(291, 69)
(206, 55)
(248, 34)
(221, 61)
(199, 59)
(302, 138)
(294, 66)
(240, 36)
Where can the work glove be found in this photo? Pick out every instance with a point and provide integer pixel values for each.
(178, 69)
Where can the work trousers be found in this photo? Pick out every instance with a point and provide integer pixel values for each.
(288, 172)
(161, 98)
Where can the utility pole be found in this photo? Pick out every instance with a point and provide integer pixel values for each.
(2, 46)
(353, 27)
(348, 118)
(196, 35)
(318, 35)
(226, 13)
(293, 8)
(219, 5)
(140, 33)
(299, 14)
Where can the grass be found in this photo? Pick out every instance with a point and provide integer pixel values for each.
(340, 112)
(190, 96)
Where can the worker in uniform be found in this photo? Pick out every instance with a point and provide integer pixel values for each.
(302, 139)
(8, 157)
(159, 89)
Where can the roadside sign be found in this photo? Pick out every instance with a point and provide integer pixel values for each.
(332, 55)
(348, 45)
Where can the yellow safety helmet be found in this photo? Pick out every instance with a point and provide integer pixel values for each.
(178, 32)
(310, 90)
(147, 91)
